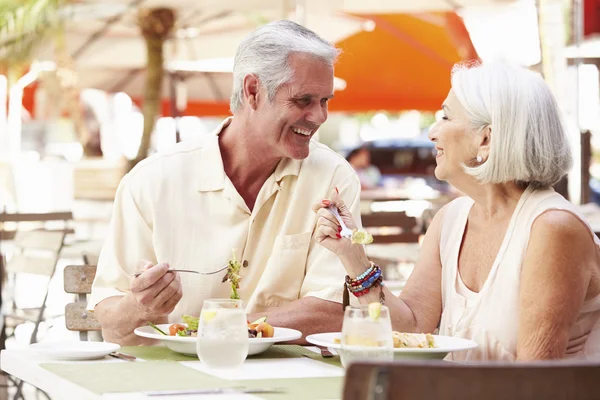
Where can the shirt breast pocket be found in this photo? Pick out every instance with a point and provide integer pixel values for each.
(292, 243)
(283, 276)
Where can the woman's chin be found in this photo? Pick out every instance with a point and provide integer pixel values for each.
(439, 173)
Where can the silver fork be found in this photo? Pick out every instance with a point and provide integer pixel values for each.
(188, 270)
(346, 232)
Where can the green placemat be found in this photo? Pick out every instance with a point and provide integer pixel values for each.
(155, 353)
(163, 373)
(163, 353)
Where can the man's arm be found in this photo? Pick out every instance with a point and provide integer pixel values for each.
(119, 316)
(154, 294)
(308, 315)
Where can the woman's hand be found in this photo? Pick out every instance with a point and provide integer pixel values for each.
(327, 232)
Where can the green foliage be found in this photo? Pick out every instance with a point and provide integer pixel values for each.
(24, 26)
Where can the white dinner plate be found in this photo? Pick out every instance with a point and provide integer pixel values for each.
(73, 350)
(187, 345)
(443, 345)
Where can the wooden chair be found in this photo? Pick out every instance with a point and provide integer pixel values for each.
(399, 234)
(35, 221)
(37, 253)
(78, 280)
(37, 240)
(558, 380)
(408, 226)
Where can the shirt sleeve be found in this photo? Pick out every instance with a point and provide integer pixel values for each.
(128, 243)
(325, 273)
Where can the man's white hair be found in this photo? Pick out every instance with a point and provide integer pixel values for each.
(265, 53)
(528, 144)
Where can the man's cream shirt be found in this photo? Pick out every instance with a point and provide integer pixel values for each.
(181, 208)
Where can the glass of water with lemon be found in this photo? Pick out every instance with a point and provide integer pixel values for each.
(222, 334)
(366, 334)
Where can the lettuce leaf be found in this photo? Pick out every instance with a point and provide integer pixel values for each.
(192, 322)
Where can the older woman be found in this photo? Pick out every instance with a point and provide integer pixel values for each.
(511, 265)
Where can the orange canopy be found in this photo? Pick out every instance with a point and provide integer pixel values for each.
(404, 63)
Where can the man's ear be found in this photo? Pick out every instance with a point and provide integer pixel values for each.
(251, 86)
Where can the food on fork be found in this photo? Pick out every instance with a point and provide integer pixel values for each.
(233, 276)
(361, 237)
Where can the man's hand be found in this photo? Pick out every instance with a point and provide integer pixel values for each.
(157, 291)
(153, 296)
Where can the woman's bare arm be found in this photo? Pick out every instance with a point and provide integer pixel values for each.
(559, 262)
(419, 306)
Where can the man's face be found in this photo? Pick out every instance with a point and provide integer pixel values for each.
(300, 106)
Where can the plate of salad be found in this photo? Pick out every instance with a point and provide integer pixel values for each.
(181, 337)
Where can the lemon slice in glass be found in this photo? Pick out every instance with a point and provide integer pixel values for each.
(208, 315)
(374, 310)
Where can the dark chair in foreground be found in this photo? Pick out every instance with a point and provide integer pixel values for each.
(490, 381)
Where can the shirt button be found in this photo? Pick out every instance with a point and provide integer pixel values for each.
(245, 263)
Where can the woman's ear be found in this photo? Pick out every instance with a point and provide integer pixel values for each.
(485, 140)
(251, 86)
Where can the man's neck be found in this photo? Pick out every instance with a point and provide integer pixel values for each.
(245, 161)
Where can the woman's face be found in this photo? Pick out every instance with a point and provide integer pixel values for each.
(454, 145)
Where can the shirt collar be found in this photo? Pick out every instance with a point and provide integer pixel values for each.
(212, 171)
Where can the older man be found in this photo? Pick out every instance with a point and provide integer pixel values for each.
(248, 186)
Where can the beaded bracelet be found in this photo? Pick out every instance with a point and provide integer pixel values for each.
(363, 284)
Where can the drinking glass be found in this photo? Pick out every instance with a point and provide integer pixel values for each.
(365, 336)
(222, 333)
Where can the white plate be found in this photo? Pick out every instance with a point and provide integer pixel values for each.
(187, 345)
(444, 345)
(74, 350)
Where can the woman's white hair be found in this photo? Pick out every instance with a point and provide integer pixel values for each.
(265, 53)
(528, 144)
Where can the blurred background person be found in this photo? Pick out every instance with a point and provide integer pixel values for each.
(369, 174)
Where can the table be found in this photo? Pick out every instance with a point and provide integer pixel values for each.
(302, 372)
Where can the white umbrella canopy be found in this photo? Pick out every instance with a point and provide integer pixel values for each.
(109, 52)
(211, 87)
(204, 29)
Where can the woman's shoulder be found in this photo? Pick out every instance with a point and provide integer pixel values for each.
(556, 217)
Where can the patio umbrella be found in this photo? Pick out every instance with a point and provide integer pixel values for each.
(404, 63)
(109, 52)
(400, 62)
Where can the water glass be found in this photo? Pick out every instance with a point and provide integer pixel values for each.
(222, 333)
(365, 336)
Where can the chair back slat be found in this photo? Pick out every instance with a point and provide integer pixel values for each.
(31, 264)
(40, 240)
(36, 217)
(395, 219)
(404, 237)
(78, 279)
(77, 318)
(403, 229)
(415, 380)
